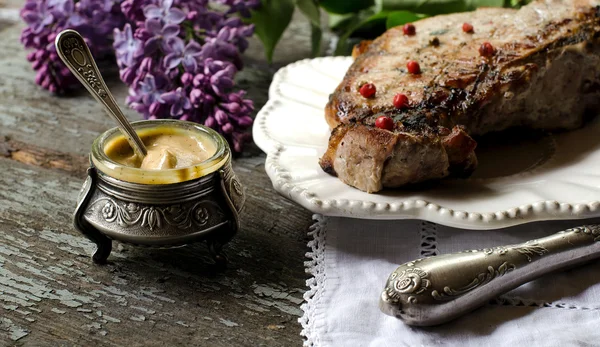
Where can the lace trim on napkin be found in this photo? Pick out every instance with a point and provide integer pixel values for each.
(428, 234)
(505, 300)
(316, 284)
(315, 266)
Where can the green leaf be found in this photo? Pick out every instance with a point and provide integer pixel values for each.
(339, 22)
(342, 47)
(402, 17)
(366, 22)
(315, 37)
(384, 14)
(372, 26)
(429, 7)
(487, 3)
(311, 10)
(345, 6)
(435, 7)
(516, 3)
(270, 21)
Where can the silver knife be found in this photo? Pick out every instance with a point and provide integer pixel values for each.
(435, 290)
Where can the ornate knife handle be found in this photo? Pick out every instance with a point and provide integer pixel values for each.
(435, 290)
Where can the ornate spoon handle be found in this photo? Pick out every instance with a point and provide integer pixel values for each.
(75, 53)
(435, 290)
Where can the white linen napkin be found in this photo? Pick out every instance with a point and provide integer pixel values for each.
(351, 260)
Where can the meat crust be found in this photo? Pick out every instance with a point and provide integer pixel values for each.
(545, 74)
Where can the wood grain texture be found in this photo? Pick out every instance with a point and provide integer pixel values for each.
(42, 157)
(51, 293)
(46, 275)
(11, 4)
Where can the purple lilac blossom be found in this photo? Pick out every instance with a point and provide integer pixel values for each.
(127, 47)
(164, 12)
(159, 34)
(242, 7)
(186, 56)
(178, 100)
(179, 57)
(46, 18)
(194, 49)
(37, 16)
(134, 10)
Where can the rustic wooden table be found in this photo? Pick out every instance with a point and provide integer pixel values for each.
(52, 294)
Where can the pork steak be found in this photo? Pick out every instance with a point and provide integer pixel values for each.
(544, 73)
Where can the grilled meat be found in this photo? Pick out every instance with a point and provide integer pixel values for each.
(544, 73)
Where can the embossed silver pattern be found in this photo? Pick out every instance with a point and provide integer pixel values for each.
(203, 209)
(131, 215)
(435, 290)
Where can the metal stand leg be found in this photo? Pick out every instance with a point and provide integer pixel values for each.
(216, 251)
(103, 243)
(104, 247)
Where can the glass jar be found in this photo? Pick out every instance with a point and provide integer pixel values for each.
(161, 208)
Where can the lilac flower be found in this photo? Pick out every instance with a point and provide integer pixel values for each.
(151, 40)
(221, 50)
(188, 55)
(146, 98)
(220, 75)
(46, 18)
(186, 79)
(239, 139)
(128, 75)
(133, 10)
(203, 101)
(37, 16)
(100, 15)
(150, 93)
(61, 9)
(242, 7)
(127, 47)
(235, 32)
(159, 35)
(165, 13)
(238, 108)
(96, 21)
(178, 101)
(147, 65)
(104, 6)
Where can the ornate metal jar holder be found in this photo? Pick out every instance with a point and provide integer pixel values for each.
(204, 208)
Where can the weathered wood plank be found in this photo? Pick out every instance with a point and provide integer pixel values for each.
(11, 4)
(42, 157)
(45, 267)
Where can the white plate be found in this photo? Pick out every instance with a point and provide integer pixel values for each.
(548, 177)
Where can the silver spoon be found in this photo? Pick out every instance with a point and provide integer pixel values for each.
(75, 53)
